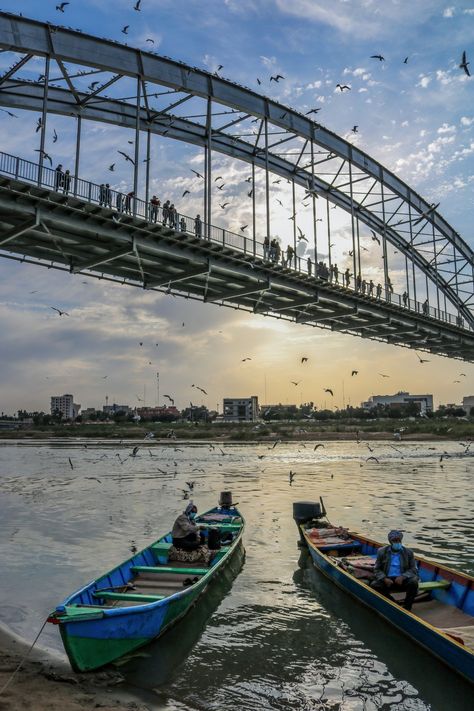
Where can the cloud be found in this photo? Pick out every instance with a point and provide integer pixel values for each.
(424, 81)
(466, 121)
(446, 128)
(449, 11)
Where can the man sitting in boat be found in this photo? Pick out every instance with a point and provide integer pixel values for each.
(395, 570)
(186, 534)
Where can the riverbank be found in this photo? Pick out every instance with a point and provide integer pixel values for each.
(415, 429)
(46, 683)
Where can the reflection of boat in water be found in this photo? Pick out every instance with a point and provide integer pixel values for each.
(164, 656)
(140, 599)
(442, 620)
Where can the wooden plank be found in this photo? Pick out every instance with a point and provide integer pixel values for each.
(167, 569)
(434, 585)
(135, 597)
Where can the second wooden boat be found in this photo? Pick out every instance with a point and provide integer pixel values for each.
(442, 617)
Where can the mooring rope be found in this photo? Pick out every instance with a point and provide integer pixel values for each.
(8, 682)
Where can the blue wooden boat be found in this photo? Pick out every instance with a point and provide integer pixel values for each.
(442, 617)
(137, 601)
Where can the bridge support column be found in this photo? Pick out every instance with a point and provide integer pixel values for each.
(44, 116)
(78, 153)
(137, 148)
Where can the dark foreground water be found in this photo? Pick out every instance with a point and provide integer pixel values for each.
(278, 635)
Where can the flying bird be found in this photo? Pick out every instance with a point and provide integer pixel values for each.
(465, 64)
(70, 463)
(355, 129)
(328, 390)
(375, 238)
(355, 372)
(61, 6)
(304, 359)
(369, 459)
(168, 397)
(249, 194)
(112, 167)
(39, 125)
(219, 177)
(221, 66)
(137, 5)
(343, 86)
(243, 228)
(196, 173)
(150, 40)
(295, 383)
(220, 187)
(291, 476)
(45, 155)
(422, 360)
(190, 484)
(316, 446)
(93, 85)
(405, 61)
(425, 215)
(135, 451)
(61, 313)
(277, 78)
(382, 375)
(10, 114)
(224, 205)
(301, 236)
(198, 388)
(377, 56)
(125, 29)
(55, 136)
(244, 359)
(127, 157)
(186, 192)
(312, 111)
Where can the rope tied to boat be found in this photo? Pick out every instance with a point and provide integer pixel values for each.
(23, 659)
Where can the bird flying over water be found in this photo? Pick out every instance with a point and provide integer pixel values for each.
(168, 397)
(291, 476)
(61, 313)
(465, 64)
(422, 360)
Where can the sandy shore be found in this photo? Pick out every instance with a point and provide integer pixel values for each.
(46, 683)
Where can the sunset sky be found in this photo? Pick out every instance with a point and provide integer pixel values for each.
(416, 118)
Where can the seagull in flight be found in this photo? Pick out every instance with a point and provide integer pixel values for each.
(125, 29)
(168, 397)
(244, 359)
(382, 375)
(127, 157)
(291, 476)
(465, 64)
(316, 446)
(45, 155)
(375, 238)
(312, 111)
(61, 313)
(137, 5)
(39, 125)
(343, 86)
(355, 129)
(328, 390)
(378, 56)
(295, 383)
(243, 228)
(374, 459)
(277, 78)
(112, 167)
(93, 85)
(55, 136)
(422, 360)
(425, 215)
(61, 6)
(304, 359)
(186, 192)
(196, 173)
(355, 372)
(150, 40)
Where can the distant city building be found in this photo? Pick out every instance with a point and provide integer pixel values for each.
(424, 402)
(65, 405)
(88, 412)
(240, 409)
(467, 403)
(155, 413)
(113, 409)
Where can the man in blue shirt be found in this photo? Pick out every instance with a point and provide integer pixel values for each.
(395, 570)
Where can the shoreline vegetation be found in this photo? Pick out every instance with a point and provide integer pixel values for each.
(450, 428)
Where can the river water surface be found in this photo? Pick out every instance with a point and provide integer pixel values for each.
(277, 636)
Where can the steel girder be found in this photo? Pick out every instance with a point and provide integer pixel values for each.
(66, 45)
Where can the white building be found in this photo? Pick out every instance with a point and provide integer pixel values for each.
(467, 403)
(65, 405)
(240, 409)
(424, 402)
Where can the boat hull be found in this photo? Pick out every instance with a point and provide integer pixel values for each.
(455, 655)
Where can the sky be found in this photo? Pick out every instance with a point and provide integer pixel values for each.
(415, 117)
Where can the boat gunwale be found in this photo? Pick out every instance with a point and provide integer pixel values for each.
(395, 606)
(134, 609)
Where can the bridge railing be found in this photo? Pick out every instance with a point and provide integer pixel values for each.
(129, 204)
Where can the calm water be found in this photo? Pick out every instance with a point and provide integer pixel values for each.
(278, 636)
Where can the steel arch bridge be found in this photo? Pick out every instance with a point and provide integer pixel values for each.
(425, 295)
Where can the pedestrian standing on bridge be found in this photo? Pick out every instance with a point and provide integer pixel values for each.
(128, 202)
(154, 205)
(59, 177)
(358, 282)
(67, 182)
(371, 288)
(347, 278)
(425, 307)
(379, 290)
(405, 298)
(266, 248)
(172, 216)
(182, 225)
(108, 195)
(166, 212)
(198, 226)
(310, 266)
(389, 285)
(336, 273)
(119, 200)
(289, 255)
(364, 286)
(102, 194)
(277, 251)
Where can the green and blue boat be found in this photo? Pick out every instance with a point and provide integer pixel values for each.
(442, 616)
(140, 599)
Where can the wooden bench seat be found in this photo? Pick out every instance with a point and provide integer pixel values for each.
(168, 569)
(433, 585)
(132, 597)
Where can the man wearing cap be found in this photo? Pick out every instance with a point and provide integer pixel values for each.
(395, 570)
(186, 534)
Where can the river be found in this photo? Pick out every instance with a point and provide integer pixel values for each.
(278, 636)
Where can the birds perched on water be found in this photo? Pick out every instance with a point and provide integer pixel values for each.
(465, 64)
(61, 313)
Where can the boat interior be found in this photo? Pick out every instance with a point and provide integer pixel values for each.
(445, 598)
(154, 573)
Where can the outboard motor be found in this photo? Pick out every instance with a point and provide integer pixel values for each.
(225, 500)
(305, 511)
